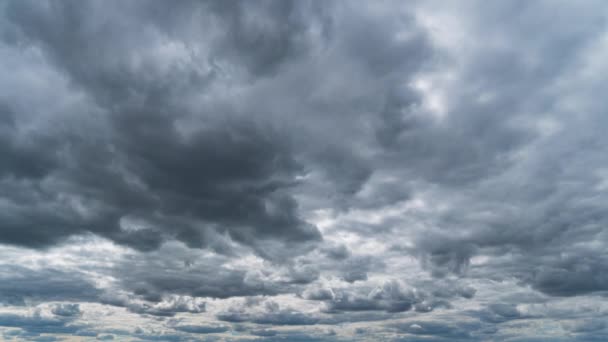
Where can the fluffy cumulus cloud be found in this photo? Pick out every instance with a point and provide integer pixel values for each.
(303, 171)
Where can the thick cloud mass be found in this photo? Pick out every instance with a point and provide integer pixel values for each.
(303, 171)
(143, 171)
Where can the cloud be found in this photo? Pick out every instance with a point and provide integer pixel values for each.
(66, 310)
(166, 307)
(37, 324)
(264, 332)
(177, 270)
(281, 170)
(19, 284)
(272, 315)
(181, 189)
(200, 329)
(391, 297)
(436, 329)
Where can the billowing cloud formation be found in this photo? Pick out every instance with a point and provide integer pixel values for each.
(299, 170)
(146, 169)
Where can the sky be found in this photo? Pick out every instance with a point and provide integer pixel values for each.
(303, 170)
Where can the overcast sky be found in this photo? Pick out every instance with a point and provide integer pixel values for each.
(303, 170)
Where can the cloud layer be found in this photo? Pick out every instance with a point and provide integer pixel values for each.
(303, 171)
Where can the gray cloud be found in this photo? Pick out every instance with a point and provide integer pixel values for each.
(36, 324)
(66, 310)
(200, 329)
(390, 297)
(436, 331)
(115, 176)
(269, 168)
(18, 284)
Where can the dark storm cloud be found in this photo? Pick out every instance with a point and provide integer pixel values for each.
(178, 168)
(22, 160)
(210, 190)
(228, 175)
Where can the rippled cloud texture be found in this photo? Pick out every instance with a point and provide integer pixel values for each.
(303, 170)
